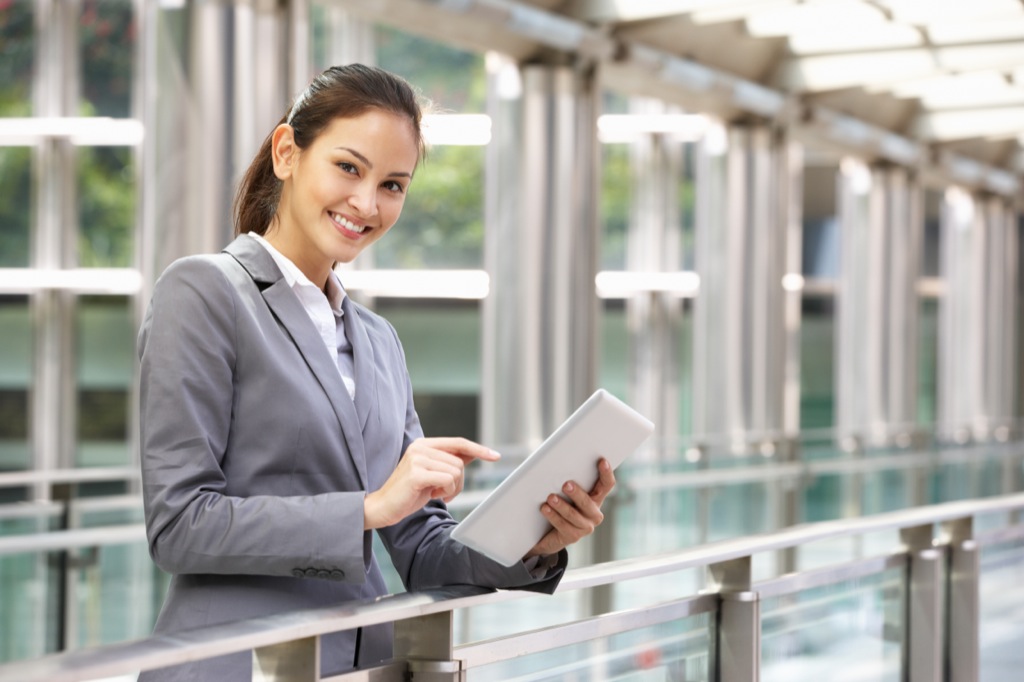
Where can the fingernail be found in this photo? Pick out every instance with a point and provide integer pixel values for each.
(553, 500)
(569, 487)
(495, 454)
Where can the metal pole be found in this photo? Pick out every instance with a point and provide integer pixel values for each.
(923, 636)
(962, 630)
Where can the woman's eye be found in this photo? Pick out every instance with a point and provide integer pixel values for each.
(394, 186)
(348, 167)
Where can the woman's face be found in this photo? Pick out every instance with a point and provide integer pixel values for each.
(344, 191)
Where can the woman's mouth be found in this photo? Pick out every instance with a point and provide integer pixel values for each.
(347, 224)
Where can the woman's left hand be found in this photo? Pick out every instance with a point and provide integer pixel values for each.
(577, 518)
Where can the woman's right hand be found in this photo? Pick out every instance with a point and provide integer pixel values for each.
(431, 468)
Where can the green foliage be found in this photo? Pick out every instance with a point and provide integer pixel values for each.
(442, 222)
(454, 80)
(615, 197)
(106, 207)
(107, 34)
(15, 206)
(17, 48)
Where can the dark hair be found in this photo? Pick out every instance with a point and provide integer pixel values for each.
(339, 92)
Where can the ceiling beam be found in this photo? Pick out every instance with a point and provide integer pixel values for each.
(837, 71)
(624, 11)
(966, 124)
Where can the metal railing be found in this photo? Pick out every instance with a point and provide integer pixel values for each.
(937, 557)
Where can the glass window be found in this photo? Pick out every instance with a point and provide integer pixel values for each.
(817, 393)
(821, 227)
(105, 333)
(442, 349)
(932, 233)
(106, 206)
(442, 223)
(17, 45)
(15, 205)
(452, 79)
(928, 361)
(107, 33)
(16, 363)
(614, 205)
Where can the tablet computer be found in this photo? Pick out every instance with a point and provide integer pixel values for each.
(509, 522)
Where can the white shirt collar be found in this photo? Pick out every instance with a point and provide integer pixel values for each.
(295, 277)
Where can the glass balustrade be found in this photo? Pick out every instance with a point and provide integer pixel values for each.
(51, 600)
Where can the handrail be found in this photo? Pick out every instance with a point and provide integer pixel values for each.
(79, 538)
(160, 651)
(16, 479)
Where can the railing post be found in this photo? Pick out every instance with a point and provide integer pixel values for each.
(427, 643)
(294, 661)
(962, 643)
(923, 636)
(737, 644)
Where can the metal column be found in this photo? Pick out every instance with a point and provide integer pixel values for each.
(977, 318)
(540, 317)
(654, 244)
(739, 326)
(881, 224)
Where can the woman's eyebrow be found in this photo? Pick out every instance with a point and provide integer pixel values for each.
(359, 156)
(368, 164)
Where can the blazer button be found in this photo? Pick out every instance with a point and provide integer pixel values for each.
(298, 573)
(338, 574)
(311, 572)
(325, 574)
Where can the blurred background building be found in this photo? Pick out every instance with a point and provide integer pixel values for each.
(788, 231)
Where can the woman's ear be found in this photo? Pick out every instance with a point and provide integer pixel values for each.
(283, 150)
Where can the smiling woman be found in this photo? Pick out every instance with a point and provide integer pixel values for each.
(278, 424)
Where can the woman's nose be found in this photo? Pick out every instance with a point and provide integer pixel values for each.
(364, 200)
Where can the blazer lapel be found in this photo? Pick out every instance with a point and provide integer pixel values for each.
(289, 311)
(363, 359)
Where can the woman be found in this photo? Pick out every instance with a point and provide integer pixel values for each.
(278, 428)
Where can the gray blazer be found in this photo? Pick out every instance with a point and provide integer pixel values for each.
(255, 461)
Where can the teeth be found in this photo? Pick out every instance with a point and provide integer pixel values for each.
(358, 229)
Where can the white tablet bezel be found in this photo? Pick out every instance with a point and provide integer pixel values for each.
(509, 522)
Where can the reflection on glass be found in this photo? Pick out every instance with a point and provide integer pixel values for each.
(105, 333)
(107, 35)
(15, 205)
(927, 368)
(16, 340)
(17, 45)
(855, 627)
(27, 589)
(1001, 593)
(671, 651)
(441, 340)
(117, 588)
(817, 393)
(106, 207)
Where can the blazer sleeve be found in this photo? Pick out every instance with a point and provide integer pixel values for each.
(425, 556)
(187, 347)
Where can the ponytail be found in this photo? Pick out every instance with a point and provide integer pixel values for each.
(258, 192)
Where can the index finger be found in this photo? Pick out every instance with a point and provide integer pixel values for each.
(464, 448)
